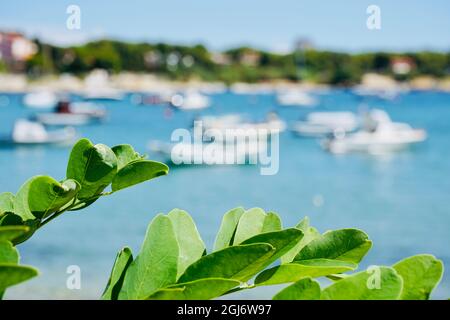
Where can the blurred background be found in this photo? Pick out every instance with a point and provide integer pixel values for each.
(360, 97)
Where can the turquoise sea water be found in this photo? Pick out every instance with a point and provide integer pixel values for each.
(401, 201)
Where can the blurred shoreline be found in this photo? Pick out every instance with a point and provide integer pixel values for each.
(147, 82)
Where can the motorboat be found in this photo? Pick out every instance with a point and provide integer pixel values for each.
(27, 132)
(296, 98)
(103, 94)
(40, 99)
(319, 124)
(88, 108)
(378, 93)
(378, 135)
(220, 122)
(191, 100)
(72, 114)
(245, 130)
(212, 153)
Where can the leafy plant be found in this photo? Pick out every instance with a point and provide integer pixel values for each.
(251, 249)
(173, 263)
(90, 171)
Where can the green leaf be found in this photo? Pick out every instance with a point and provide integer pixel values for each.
(291, 272)
(11, 219)
(253, 222)
(309, 234)
(203, 289)
(272, 222)
(137, 172)
(421, 274)
(238, 262)
(227, 228)
(282, 241)
(125, 154)
(304, 289)
(122, 262)
(10, 233)
(191, 246)
(6, 203)
(43, 195)
(93, 166)
(383, 284)
(349, 245)
(32, 226)
(12, 274)
(8, 254)
(337, 277)
(156, 265)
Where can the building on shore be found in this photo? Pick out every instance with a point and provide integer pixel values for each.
(15, 50)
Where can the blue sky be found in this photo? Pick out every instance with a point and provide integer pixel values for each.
(221, 24)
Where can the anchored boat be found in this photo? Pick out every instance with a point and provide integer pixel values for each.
(27, 132)
(379, 135)
(320, 124)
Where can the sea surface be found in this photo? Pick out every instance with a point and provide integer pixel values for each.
(401, 200)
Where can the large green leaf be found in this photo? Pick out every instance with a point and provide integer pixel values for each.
(282, 241)
(291, 272)
(8, 254)
(93, 166)
(349, 245)
(255, 221)
(11, 274)
(156, 265)
(125, 154)
(203, 289)
(115, 282)
(43, 195)
(309, 234)
(360, 286)
(191, 246)
(6, 203)
(10, 233)
(137, 172)
(227, 228)
(238, 262)
(420, 274)
(304, 289)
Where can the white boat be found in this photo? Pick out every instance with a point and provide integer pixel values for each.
(296, 98)
(190, 101)
(220, 122)
(379, 135)
(384, 94)
(258, 130)
(214, 153)
(40, 99)
(72, 114)
(88, 108)
(27, 132)
(319, 124)
(103, 94)
(63, 119)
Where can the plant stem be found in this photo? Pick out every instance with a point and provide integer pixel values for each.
(74, 204)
